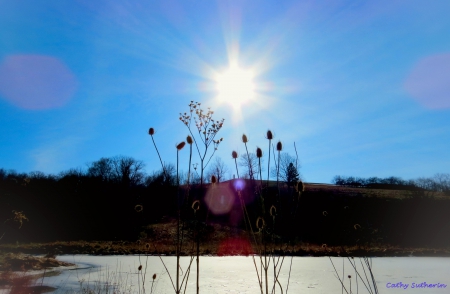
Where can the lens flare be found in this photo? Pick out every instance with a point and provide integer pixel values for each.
(36, 82)
(220, 199)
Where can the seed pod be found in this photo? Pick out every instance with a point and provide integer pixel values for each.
(244, 138)
(234, 154)
(196, 205)
(138, 208)
(258, 152)
(300, 187)
(151, 131)
(325, 213)
(357, 226)
(147, 246)
(269, 135)
(189, 140)
(181, 145)
(260, 223)
(154, 276)
(279, 146)
(273, 210)
(213, 179)
(349, 276)
(140, 267)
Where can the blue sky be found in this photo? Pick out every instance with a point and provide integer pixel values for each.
(361, 87)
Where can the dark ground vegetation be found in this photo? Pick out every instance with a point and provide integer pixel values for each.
(82, 207)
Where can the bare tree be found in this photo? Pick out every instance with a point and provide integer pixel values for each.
(288, 168)
(73, 172)
(250, 164)
(219, 169)
(128, 170)
(426, 184)
(162, 177)
(121, 169)
(37, 175)
(443, 182)
(101, 168)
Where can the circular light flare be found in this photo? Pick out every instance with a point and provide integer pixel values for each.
(235, 86)
(220, 199)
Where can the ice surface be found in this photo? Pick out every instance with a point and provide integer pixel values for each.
(237, 274)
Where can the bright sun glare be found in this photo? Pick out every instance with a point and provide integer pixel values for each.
(235, 86)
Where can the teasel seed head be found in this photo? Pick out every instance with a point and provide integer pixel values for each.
(154, 276)
(213, 179)
(189, 140)
(273, 210)
(260, 223)
(269, 135)
(138, 208)
(258, 152)
(357, 226)
(140, 267)
(244, 138)
(196, 205)
(279, 146)
(234, 154)
(325, 213)
(181, 145)
(349, 276)
(151, 131)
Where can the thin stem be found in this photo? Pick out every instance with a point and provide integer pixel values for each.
(359, 275)
(260, 173)
(337, 275)
(178, 228)
(157, 151)
(278, 172)
(354, 266)
(237, 171)
(186, 275)
(342, 276)
(296, 160)
(289, 277)
(210, 158)
(189, 169)
(268, 166)
(167, 271)
(250, 170)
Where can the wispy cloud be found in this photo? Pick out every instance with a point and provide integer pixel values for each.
(56, 156)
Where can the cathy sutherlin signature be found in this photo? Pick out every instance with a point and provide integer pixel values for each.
(405, 286)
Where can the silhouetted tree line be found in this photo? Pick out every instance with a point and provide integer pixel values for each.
(329, 217)
(97, 203)
(104, 201)
(438, 183)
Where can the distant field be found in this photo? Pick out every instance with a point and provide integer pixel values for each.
(371, 192)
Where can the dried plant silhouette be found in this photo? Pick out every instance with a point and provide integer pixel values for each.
(203, 137)
(260, 224)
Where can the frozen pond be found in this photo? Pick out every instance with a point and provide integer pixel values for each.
(238, 275)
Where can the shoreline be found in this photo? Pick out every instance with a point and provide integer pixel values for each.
(135, 248)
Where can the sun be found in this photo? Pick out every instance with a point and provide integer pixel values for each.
(235, 86)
